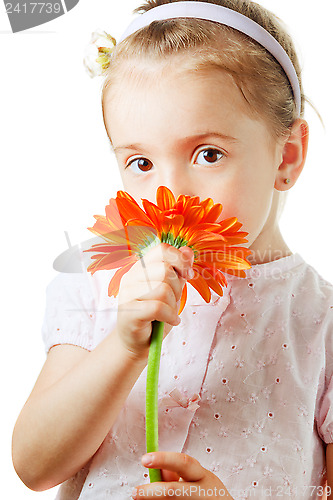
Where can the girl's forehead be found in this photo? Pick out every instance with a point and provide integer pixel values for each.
(143, 76)
(145, 71)
(176, 104)
(173, 84)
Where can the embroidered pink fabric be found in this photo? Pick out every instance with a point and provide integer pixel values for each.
(245, 386)
(175, 398)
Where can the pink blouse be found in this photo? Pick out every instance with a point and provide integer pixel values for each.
(245, 386)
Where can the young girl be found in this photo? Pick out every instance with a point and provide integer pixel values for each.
(206, 99)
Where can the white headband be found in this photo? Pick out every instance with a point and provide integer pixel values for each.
(228, 17)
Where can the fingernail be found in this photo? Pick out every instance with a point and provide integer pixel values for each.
(190, 273)
(189, 259)
(134, 493)
(188, 254)
(147, 459)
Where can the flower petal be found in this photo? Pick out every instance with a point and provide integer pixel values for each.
(200, 285)
(154, 213)
(216, 274)
(114, 284)
(100, 247)
(234, 240)
(113, 217)
(228, 223)
(206, 274)
(129, 209)
(225, 260)
(212, 212)
(165, 198)
(172, 224)
(194, 216)
(139, 222)
(183, 299)
(108, 261)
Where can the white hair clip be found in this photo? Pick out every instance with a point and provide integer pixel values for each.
(98, 53)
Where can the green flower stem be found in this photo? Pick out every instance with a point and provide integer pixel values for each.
(153, 369)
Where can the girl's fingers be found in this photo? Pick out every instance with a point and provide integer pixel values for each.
(147, 311)
(162, 292)
(154, 275)
(168, 476)
(179, 259)
(188, 468)
(162, 264)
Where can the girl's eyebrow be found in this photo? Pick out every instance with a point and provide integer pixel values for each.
(184, 140)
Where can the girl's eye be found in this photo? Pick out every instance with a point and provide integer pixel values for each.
(209, 156)
(140, 165)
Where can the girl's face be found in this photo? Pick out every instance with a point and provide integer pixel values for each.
(195, 135)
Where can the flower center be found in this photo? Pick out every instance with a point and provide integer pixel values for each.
(147, 244)
(170, 239)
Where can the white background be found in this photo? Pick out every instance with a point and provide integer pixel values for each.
(57, 171)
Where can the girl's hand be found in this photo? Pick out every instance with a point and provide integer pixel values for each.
(184, 478)
(150, 291)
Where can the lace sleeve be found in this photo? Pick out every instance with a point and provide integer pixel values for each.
(69, 313)
(325, 414)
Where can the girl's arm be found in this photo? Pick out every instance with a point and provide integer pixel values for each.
(72, 407)
(79, 394)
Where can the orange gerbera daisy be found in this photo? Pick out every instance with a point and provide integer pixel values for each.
(129, 232)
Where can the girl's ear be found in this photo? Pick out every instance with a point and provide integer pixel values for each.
(293, 155)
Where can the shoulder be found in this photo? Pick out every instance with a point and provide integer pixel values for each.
(292, 280)
(73, 282)
(306, 285)
(314, 290)
(80, 289)
(78, 310)
(297, 294)
(315, 277)
(315, 301)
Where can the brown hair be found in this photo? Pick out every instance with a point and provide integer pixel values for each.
(256, 72)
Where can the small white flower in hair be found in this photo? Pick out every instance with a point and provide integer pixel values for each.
(98, 53)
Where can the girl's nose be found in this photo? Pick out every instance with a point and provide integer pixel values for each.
(178, 183)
